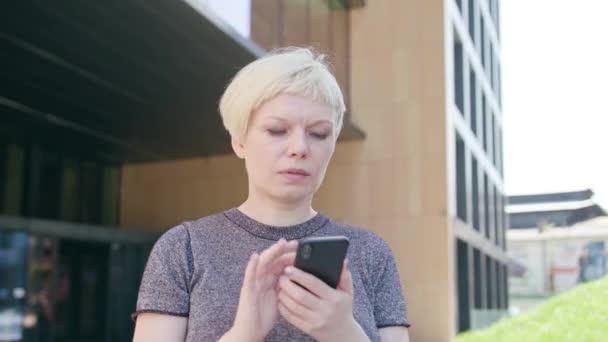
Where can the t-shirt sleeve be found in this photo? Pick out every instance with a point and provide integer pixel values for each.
(389, 302)
(165, 285)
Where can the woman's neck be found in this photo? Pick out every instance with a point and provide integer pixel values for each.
(273, 214)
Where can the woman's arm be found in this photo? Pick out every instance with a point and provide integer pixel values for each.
(153, 327)
(394, 334)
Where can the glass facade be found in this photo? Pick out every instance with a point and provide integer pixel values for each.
(479, 207)
(37, 182)
(60, 249)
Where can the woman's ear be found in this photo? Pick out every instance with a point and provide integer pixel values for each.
(238, 148)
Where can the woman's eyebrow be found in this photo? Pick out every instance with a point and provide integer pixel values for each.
(277, 118)
(314, 123)
(320, 122)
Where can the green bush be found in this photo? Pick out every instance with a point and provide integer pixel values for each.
(580, 314)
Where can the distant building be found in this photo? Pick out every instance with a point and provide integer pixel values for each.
(556, 241)
(552, 260)
(560, 209)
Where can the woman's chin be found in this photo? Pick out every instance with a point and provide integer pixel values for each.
(293, 195)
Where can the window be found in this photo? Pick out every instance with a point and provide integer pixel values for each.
(493, 137)
(473, 100)
(499, 86)
(47, 182)
(497, 284)
(477, 275)
(484, 126)
(491, 288)
(486, 205)
(497, 20)
(12, 164)
(505, 285)
(490, 66)
(52, 185)
(458, 76)
(472, 7)
(475, 192)
(496, 214)
(500, 152)
(504, 222)
(482, 40)
(495, 72)
(464, 306)
(461, 188)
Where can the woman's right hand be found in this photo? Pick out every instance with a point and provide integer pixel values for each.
(257, 311)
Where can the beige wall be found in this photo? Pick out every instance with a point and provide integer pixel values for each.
(398, 97)
(156, 196)
(394, 182)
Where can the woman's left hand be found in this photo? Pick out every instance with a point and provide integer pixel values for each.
(322, 312)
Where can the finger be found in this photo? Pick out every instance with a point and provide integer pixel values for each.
(298, 294)
(292, 246)
(346, 280)
(294, 307)
(294, 319)
(310, 282)
(271, 253)
(250, 272)
(287, 259)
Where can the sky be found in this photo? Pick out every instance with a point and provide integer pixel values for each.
(555, 96)
(237, 13)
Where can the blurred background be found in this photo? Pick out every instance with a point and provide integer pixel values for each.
(473, 143)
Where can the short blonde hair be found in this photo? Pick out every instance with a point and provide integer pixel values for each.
(293, 71)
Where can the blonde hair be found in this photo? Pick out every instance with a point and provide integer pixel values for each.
(293, 71)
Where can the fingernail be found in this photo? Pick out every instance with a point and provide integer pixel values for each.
(288, 270)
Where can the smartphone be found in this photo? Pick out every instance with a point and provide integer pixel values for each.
(322, 257)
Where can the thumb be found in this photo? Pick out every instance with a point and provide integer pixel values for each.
(346, 281)
(249, 280)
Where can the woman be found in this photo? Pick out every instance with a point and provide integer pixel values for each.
(230, 276)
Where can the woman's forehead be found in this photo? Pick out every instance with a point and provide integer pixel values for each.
(296, 108)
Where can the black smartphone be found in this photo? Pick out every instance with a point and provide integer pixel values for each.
(322, 257)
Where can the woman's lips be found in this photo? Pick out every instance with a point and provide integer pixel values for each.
(294, 175)
(296, 172)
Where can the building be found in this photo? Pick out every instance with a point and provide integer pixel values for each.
(561, 209)
(557, 259)
(556, 241)
(109, 118)
(475, 128)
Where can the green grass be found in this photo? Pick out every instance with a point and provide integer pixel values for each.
(579, 315)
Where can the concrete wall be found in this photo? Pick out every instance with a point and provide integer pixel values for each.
(398, 97)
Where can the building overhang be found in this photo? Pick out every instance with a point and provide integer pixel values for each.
(119, 81)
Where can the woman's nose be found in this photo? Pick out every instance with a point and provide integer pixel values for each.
(298, 145)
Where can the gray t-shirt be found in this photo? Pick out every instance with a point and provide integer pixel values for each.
(196, 270)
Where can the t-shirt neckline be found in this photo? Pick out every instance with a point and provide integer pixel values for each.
(269, 232)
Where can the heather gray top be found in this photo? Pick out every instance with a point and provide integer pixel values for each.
(196, 270)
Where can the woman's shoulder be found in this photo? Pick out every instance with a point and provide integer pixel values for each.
(182, 232)
(361, 236)
(202, 223)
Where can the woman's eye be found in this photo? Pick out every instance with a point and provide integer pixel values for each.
(320, 136)
(276, 132)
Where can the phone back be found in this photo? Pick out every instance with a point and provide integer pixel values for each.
(322, 257)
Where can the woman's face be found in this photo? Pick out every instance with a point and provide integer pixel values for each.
(288, 145)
